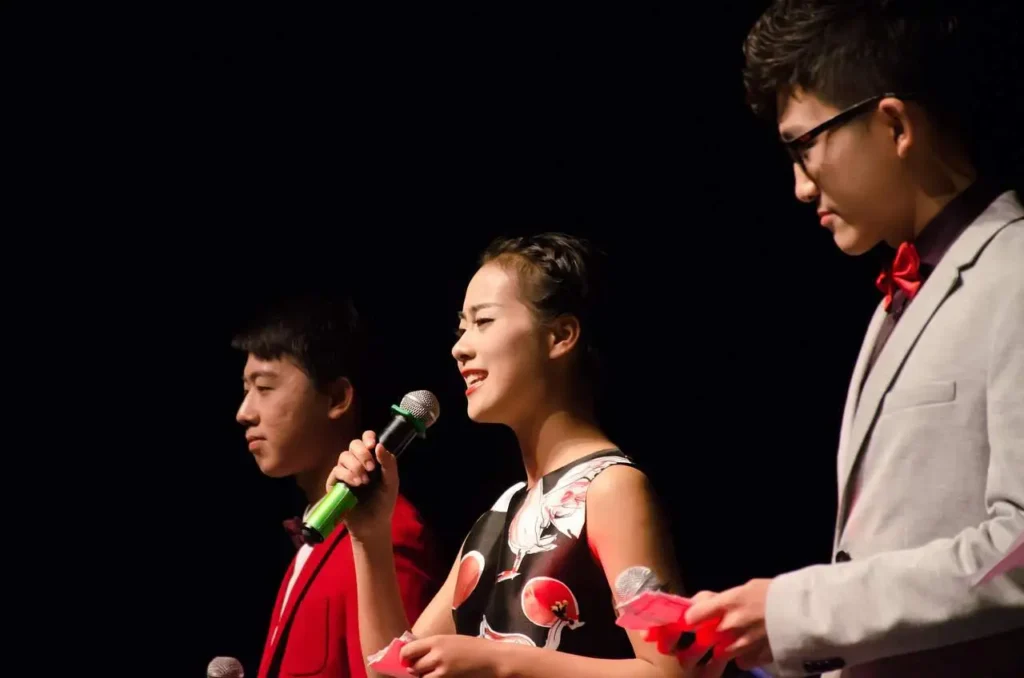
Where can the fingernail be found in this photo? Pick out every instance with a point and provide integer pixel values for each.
(369, 466)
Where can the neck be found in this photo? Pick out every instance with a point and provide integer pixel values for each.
(555, 437)
(313, 480)
(936, 188)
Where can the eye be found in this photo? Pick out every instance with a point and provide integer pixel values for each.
(482, 321)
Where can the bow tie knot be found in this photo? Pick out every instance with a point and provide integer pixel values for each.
(904, 275)
(293, 526)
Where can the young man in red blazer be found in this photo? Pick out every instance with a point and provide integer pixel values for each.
(303, 399)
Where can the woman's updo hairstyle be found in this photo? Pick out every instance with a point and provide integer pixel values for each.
(560, 274)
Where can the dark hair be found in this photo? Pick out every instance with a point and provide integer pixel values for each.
(561, 274)
(324, 335)
(846, 51)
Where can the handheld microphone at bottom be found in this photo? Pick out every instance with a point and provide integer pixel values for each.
(225, 667)
(417, 412)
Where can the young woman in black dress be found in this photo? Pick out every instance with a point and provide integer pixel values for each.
(531, 592)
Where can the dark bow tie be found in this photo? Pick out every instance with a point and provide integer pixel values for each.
(903, 275)
(294, 528)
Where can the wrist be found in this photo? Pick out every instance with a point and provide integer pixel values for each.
(372, 546)
(504, 660)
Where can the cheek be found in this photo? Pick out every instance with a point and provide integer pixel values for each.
(514, 357)
(282, 422)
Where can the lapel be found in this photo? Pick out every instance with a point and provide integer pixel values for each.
(309, 571)
(271, 637)
(940, 284)
(854, 393)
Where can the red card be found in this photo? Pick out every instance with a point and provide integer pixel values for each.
(651, 608)
(388, 661)
(661, 615)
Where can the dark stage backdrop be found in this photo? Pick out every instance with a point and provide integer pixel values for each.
(381, 155)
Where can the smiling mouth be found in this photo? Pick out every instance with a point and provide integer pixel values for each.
(473, 380)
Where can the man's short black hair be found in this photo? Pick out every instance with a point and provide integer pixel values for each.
(323, 334)
(846, 51)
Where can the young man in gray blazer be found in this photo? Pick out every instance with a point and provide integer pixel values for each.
(931, 451)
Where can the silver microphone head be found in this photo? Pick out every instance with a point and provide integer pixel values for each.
(635, 580)
(423, 405)
(225, 667)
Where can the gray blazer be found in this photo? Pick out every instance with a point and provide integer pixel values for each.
(935, 445)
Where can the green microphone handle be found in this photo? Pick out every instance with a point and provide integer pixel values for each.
(333, 508)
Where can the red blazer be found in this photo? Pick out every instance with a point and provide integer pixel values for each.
(319, 630)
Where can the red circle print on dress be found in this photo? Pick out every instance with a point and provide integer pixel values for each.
(550, 603)
(470, 568)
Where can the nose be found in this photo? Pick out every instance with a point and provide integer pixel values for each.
(246, 414)
(462, 351)
(806, 190)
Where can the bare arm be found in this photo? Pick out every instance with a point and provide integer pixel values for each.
(381, 606)
(381, 611)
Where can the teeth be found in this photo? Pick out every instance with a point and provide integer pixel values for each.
(474, 378)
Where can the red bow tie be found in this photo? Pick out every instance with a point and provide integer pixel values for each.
(294, 528)
(904, 274)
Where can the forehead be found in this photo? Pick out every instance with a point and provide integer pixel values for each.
(257, 367)
(492, 283)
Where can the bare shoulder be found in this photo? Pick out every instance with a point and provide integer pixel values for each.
(621, 498)
(617, 483)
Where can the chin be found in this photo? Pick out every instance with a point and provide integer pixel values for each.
(272, 468)
(478, 415)
(483, 413)
(853, 242)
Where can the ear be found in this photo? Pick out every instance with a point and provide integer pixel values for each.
(899, 123)
(341, 393)
(563, 336)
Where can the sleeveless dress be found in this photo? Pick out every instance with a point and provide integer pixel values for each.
(527, 574)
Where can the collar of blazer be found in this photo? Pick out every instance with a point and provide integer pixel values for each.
(943, 281)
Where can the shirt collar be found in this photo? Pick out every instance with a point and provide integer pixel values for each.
(943, 230)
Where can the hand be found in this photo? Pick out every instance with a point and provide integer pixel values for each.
(451, 655)
(742, 612)
(370, 518)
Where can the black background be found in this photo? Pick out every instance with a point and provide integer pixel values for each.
(251, 149)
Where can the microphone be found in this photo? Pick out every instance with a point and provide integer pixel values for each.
(225, 667)
(417, 412)
(633, 581)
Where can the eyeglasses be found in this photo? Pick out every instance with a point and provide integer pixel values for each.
(796, 147)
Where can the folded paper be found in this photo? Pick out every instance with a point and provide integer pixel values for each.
(389, 660)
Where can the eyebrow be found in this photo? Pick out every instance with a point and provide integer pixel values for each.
(255, 374)
(476, 307)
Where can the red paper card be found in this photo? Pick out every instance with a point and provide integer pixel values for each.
(652, 608)
(388, 661)
(661, 615)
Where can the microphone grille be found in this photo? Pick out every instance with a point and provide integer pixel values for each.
(635, 580)
(423, 405)
(225, 667)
